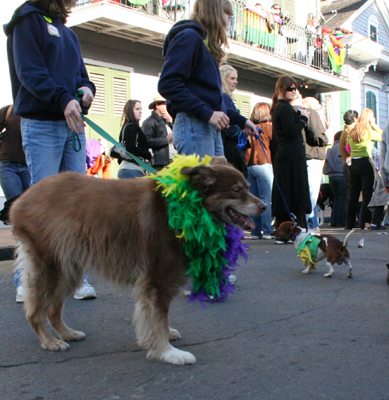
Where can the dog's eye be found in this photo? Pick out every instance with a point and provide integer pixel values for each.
(236, 190)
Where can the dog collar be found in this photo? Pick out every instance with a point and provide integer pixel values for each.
(212, 248)
(292, 236)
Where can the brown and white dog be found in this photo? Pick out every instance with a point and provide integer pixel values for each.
(69, 223)
(329, 247)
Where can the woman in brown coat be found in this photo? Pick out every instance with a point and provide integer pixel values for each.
(260, 169)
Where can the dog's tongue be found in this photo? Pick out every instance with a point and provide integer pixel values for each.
(250, 222)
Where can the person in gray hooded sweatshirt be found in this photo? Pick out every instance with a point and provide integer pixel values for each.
(338, 182)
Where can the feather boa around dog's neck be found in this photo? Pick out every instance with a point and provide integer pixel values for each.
(212, 248)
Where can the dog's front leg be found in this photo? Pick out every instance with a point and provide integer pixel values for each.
(152, 328)
(306, 270)
(331, 270)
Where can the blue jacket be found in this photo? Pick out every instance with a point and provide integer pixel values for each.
(45, 63)
(334, 161)
(190, 78)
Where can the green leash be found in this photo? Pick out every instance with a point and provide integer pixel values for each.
(108, 137)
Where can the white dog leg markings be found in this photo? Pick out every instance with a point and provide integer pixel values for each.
(350, 269)
(174, 334)
(178, 357)
(306, 270)
(331, 270)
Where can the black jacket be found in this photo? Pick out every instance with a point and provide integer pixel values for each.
(154, 128)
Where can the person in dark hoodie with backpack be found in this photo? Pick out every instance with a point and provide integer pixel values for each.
(191, 82)
(47, 70)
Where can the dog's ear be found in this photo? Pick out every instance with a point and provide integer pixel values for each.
(219, 160)
(202, 177)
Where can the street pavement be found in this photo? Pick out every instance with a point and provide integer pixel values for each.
(282, 335)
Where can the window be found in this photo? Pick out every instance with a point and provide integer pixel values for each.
(373, 33)
(373, 28)
(371, 102)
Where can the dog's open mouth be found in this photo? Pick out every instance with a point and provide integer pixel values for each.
(240, 220)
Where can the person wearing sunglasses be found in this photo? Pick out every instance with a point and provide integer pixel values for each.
(290, 166)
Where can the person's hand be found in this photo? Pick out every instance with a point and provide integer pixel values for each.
(73, 116)
(305, 113)
(87, 97)
(250, 129)
(387, 189)
(219, 119)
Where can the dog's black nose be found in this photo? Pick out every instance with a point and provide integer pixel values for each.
(262, 207)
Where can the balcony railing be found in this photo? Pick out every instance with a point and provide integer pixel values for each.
(249, 25)
(173, 10)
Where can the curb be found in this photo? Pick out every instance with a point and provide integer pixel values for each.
(7, 253)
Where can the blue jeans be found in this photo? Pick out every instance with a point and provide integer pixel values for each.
(129, 173)
(260, 178)
(339, 189)
(14, 178)
(48, 146)
(192, 136)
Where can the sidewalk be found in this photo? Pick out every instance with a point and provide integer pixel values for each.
(7, 244)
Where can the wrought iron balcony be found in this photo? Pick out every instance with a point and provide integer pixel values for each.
(257, 28)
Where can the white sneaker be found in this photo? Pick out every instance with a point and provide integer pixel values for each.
(232, 279)
(267, 237)
(86, 291)
(19, 294)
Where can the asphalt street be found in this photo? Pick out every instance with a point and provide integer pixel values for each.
(281, 335)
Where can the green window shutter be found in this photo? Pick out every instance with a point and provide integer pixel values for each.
(112, 93)
(345, 104)
(371, 102)
(243, 104)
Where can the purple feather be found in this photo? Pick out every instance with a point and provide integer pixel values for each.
(234, 249)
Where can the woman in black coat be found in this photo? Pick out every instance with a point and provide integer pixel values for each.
(290, 167)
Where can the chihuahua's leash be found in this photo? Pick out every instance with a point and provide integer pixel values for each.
(291, 215)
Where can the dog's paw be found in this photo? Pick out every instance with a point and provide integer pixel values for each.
(174, 334)
(178, 357)
(306, 271)
(329, 275)
(350, 275)
(56, 345)
(75, 336)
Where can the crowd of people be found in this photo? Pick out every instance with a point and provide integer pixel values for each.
(45, 133)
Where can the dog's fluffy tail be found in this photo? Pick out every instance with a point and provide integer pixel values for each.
(346, 238)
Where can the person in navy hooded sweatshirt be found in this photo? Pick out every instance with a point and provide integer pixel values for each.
(191, 83)
(46, 70)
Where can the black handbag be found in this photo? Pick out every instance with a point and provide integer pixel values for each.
(118, 152)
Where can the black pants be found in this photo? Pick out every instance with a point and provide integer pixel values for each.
(361, 177)
(378, 215)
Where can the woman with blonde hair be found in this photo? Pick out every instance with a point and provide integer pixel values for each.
(290, 166)
(230, 135)
(260, 169)
(361, 170)
(190, 79)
